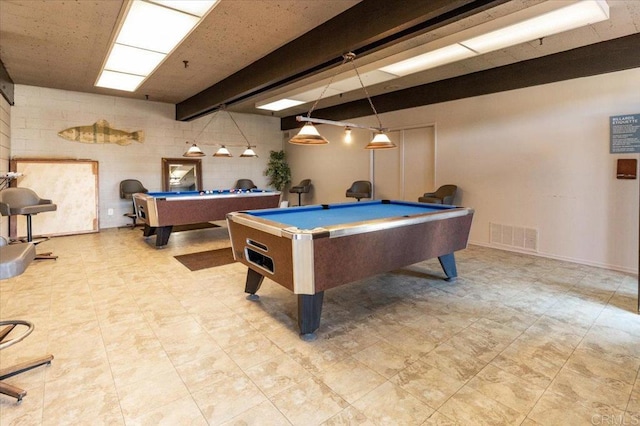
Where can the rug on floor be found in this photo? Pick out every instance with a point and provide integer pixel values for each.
(206, 259)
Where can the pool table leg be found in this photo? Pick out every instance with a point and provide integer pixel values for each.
(448, 263)
(309, 311)
(253, 283)
(161, 232)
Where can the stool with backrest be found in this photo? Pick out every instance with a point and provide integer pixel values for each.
(23, 201)
(302, 188)
(14, 259)
(443, 195)
(244, 184)
(359, 189)
(128, 187)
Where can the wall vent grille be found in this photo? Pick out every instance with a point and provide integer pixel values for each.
(514, 236)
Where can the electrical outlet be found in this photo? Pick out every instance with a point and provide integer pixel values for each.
(110, 212)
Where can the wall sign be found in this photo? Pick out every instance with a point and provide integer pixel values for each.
(624, 133)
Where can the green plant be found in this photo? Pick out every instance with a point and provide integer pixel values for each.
(278, 170)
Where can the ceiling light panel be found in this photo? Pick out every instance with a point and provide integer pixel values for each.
(132, 60)
(193, 7)
(279, 105)
(566, 18)
(429, 60)
(153, 27)
(118, 80)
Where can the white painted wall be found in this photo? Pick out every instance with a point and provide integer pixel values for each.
(536, 157)
(40, 113)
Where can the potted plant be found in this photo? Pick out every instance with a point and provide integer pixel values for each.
(278, 170)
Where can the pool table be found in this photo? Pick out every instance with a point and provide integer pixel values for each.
(311, 249)
(161, 211)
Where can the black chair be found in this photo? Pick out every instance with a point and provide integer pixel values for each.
(444, 195)
(302, 188)
(128, 187)
(14, 259)
(360, 189)
(15, 201)
(244, 184)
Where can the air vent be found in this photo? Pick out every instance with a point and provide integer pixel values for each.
(514, 236)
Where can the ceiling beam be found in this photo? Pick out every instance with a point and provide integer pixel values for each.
(600, 58)
(363, 29)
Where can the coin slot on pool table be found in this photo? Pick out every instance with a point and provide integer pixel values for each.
(257, 244)
(259, 259)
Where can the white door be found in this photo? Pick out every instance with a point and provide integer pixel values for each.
(407, 172)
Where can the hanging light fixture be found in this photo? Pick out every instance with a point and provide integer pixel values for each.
(247, 152)
(222, 152)
(309, 135)
(347, 134)
(193, 151)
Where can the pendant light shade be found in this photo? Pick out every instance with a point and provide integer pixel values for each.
(308, 135)
(380, 141)
(249, 153)
(194, 151)
(222, 152)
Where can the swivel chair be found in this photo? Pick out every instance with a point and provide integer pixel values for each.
(244, 184)
(360, 189)
(14, 259)
(15, 201)
(128, 187)
(443, 195)
(302, 188)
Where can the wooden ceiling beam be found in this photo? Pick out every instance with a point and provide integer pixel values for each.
(363, 29)
(600, 58)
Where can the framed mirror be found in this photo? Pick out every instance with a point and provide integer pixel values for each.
(181, 174)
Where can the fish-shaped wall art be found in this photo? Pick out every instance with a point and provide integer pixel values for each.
(101, 132)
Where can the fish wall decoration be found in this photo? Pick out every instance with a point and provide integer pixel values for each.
(101, 132)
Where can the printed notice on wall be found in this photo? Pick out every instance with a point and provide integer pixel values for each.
(625, 134)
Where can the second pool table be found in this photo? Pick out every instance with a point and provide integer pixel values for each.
(311, 249)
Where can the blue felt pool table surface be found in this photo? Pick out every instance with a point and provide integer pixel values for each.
(316, 216)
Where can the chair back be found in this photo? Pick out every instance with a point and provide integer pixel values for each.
(360, 189)
(446, 193)
(244, 184)
(128, 187)
(17, 198)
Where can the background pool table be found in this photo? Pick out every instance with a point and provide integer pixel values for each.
(161, 211)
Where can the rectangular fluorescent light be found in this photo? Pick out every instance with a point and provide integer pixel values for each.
(280, 105)
(435, 58)
(149, 32)
(119, 80)
(566, 18)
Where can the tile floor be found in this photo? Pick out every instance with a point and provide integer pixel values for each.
(138, 339)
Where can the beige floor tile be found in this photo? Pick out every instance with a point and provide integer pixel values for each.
(384, 358)
(350, 379)
(349, 416)
(252, 350)
(556, 410)
(439, 419)
(457, 364)
(264, 414)
(510, 390)
(316, 356)
(388, 404)
(469, 407)
(209, 370)
(591, 392)
(427, 383)
(227, 399)
(27, 412)
(597, 364)
(277, 374)
(137, 398)
(309, 402)
(183, 411)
